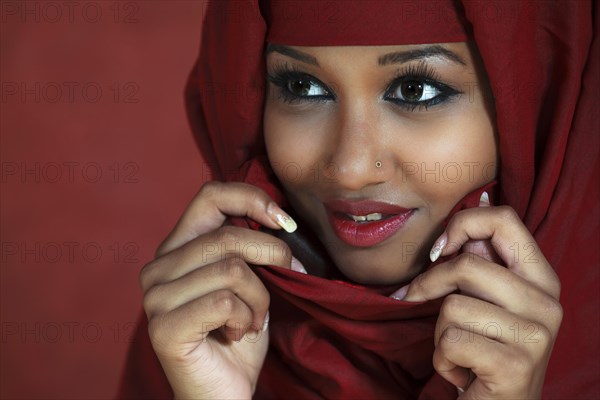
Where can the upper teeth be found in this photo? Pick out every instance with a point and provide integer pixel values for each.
(369, 217)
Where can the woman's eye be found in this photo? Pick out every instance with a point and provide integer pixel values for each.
(414, 91)
(298, 87)
(305, 88)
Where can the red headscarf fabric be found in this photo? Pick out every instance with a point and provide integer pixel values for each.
(333, 339)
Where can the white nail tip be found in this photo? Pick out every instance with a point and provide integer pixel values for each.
(297, 266)
(484, 199)
(437, 249)
(435, 254)
(266, 322)
(400, 294)
(286, 223)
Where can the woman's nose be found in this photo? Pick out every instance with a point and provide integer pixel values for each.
(358, 156)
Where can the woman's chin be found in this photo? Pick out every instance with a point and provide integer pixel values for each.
(373, 273)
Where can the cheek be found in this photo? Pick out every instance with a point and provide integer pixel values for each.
(452, 158)
(294, 146)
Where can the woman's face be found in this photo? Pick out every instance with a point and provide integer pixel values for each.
(376, 144)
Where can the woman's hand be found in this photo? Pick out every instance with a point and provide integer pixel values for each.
(494, 336)
(207, 310)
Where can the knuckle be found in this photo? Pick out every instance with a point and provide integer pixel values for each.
(450, 335)
(262, 300)
(226, 235)
(146, 275)
(460, 217)
(552, 306)
(224, 302)
(557, 286)
(418, 285)
(152, 300)
(458, 222)
(164, 247)
(558, 313)
(234, 269)
(506, 214)
(542, 336)
(256, 195)
(452, 305)
(554, 288)
(554, 311)
(148, 300)
(265, 299)
(210, 189)
(464, 264)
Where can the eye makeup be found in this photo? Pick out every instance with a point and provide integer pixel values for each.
(415, 87)
(418, 87)
(295, 86)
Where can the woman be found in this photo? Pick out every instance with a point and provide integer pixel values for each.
(385, 127)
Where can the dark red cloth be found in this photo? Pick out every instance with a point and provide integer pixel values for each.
(336, 340)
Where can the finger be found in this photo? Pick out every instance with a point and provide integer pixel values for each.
(254, 247)
(179, 331)
(483, 249)
(215, 201)
(500, 370)
(232, 274)
(473, 276)
(452, 369)
(510, 240)
(477, 317)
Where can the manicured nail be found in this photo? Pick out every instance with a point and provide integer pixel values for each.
(438, 247)
(266, 322)
(287, 223)
(281, 218)
(484, 200)
(400, 294)
(297, 266)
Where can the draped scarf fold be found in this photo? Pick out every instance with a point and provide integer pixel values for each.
(334, 339)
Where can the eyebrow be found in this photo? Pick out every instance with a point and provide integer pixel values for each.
(398, 57)
(296, 54)
(417, 54)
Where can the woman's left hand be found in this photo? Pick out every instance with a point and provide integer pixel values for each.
(498, 324)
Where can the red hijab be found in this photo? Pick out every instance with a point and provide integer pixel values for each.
(334, 339)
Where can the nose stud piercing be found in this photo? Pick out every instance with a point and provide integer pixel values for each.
(377, 164)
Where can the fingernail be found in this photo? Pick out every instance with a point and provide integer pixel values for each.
(438, 247)
(287, 223)
(484, 200)
(297, 266)
(400, 294)
(460, 390)
(266, 322)
(281, 218)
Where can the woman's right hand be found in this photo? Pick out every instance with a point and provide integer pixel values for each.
(207, 310)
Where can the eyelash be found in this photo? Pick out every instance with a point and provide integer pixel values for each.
(283, 74)
(425, 74)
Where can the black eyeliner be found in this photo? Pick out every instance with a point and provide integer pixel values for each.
(285, 73)
(422, 73)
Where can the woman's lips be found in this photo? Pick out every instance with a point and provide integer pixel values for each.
(365, 223)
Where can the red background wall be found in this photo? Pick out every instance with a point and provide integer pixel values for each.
(97, 163)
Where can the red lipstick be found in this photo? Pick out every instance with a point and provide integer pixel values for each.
(366, 223)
